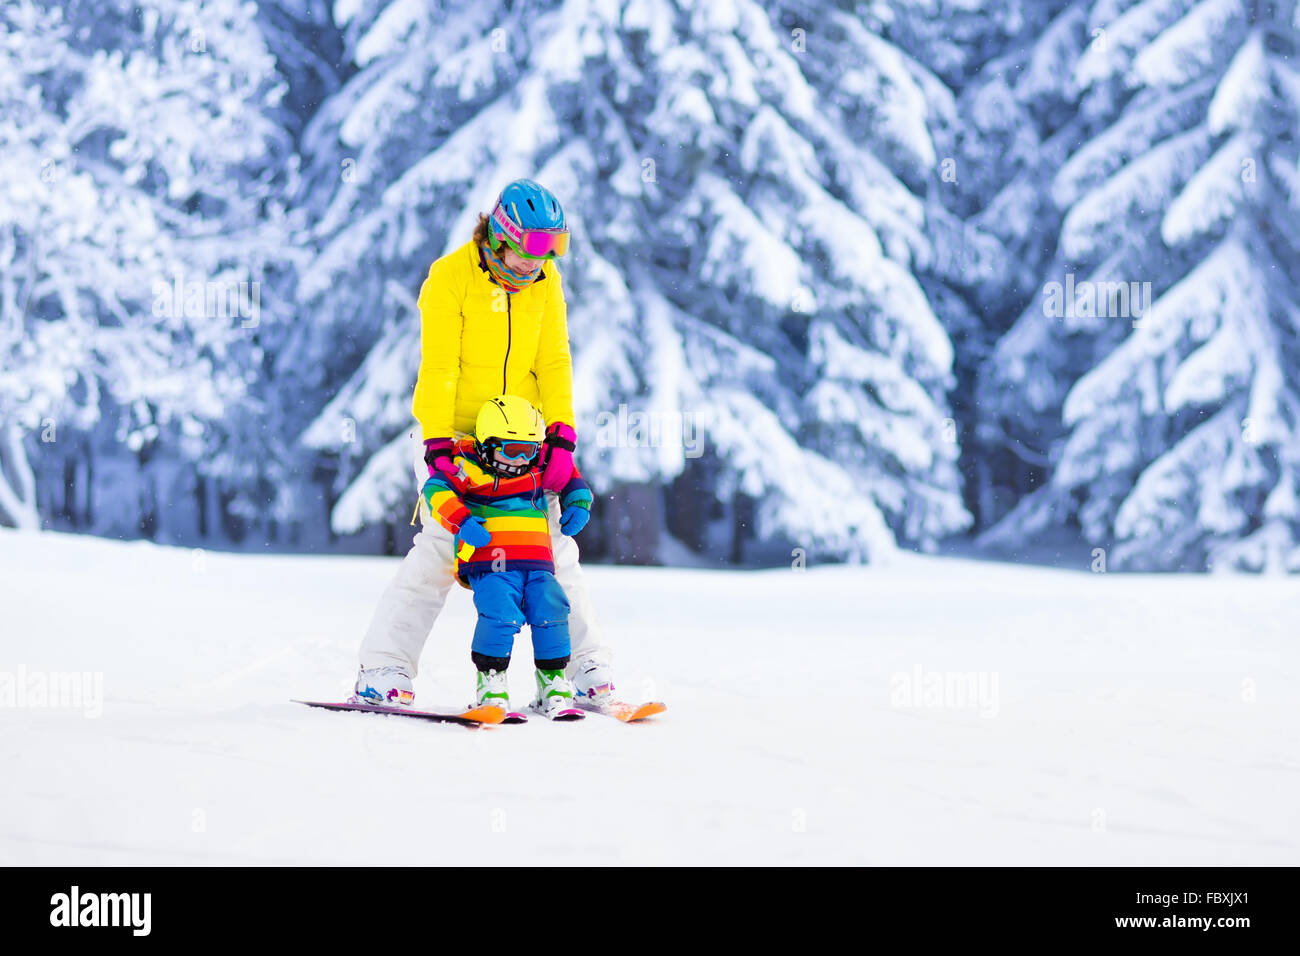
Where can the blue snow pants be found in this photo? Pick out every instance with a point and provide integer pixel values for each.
(506, 599)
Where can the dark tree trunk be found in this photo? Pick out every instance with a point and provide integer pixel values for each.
(632, 520)
(326, 480)
(234, 526)
(686, 509)
(88, 510)
(69, 507)
(742, 525)
(148, 497)
(983, 494)
(201, 503)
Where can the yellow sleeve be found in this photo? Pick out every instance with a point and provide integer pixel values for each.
(553, 366)
(440, 324)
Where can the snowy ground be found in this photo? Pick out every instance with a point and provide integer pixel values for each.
(815, 717)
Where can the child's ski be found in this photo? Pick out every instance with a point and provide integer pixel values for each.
(622, 710)
(515, 717)
(468, 718)
(564, 713)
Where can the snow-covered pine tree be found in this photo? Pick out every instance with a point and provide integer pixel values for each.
(750, 239)
(140, 157)
(1182, 443)
(1015, 124)
(306, 46)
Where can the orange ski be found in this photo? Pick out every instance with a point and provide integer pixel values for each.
(489, 714)
(623, 711)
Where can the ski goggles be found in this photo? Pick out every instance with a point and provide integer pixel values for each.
(531, 243)
(516, 450)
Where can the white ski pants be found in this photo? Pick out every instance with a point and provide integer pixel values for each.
(415, 598)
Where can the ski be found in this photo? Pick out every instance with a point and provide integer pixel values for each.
(469, 718)
(623, 711)
(568, 713)
(515, 717)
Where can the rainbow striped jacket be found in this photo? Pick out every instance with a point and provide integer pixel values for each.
(514, 512)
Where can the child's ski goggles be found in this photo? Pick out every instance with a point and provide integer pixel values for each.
(530, 243)
(516, 450)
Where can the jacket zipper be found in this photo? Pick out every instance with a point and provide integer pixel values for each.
(506, 365)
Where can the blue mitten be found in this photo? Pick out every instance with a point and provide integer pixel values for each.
(473, 533)
(573, 519)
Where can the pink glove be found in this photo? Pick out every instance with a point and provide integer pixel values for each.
(438, 456)
(557, 456)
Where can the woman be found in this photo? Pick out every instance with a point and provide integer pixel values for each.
(492, 321)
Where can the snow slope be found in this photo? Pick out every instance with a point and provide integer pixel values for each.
(1125, 719)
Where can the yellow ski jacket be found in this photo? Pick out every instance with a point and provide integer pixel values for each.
(476, 342)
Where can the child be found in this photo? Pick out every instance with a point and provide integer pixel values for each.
(495, 506)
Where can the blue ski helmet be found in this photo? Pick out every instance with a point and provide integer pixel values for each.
(527, 205)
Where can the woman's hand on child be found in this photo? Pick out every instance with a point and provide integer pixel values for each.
(438, 454)
(557, 456)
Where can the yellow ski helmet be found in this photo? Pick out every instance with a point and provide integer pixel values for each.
(512, 425)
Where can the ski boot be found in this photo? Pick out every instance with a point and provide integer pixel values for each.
(555, 696)
(593, 680)
(384, 687)
(493, 690)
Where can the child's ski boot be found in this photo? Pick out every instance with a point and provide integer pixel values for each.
(555, 696)
(493, 690)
